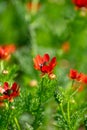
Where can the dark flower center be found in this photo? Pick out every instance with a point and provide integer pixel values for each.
(8, 92)
(41, 65)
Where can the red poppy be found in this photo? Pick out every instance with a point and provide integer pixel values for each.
(6, 50)
(79, 77)
(73, 74)
(49, 68)
(10, 93)
(84, 79)
(80, 3)
(42, 63)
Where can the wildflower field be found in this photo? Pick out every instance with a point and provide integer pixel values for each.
(43, 64)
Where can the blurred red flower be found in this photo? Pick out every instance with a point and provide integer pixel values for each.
(66, 46)
(9, 92)
(42, 63)
(6, 50)
(73, 74)
(32, 6)
(80, 77)
(80, 3)
(84, 79)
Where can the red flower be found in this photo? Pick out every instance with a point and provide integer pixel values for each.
(39, 61)
(9, 93)
(6, 50)
(42, 63)
(79, 77)
(84, 79)
(73, 74)
(80, 3)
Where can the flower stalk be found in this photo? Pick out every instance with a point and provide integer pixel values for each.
(17, 124)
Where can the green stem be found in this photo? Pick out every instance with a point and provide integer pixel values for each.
(1, 66)
(72, 82)
(37, 117)
(61, 106)
(68, 113)
(17, 124)
(74, 92)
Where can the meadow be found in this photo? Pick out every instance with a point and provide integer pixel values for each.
(43, 65)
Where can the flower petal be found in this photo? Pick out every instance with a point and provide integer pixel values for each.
(46, 58)
(53, 62)
(14, 86)
(37, 61)
(80, 3)
(6, 86)
(73, 74)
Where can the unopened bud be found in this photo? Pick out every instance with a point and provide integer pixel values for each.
(83, 12)
(5, 72)
(52, 76)
(33, 83)
(12, 107)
